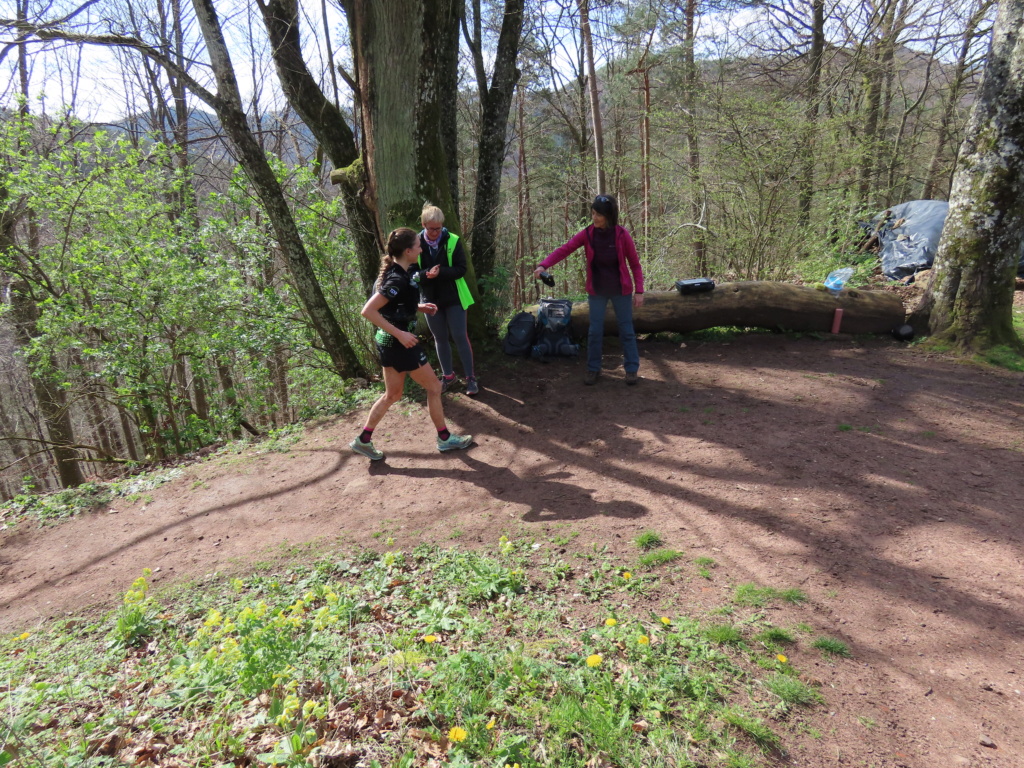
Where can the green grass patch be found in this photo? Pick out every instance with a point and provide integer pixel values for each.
(659, 557)
(758, 597)
(829, 646)
(792, 692)
(1004, 356)
(773, 637)
(61, 505)
(649, 540)
(436, 653)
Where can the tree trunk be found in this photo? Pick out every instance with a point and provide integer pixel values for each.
(228, 105)
(326, 121)
(50, 397)
(401, 107)
(814, 66)
(776, 306)
(971, 293)
(700, 259)
(227, 385)
(495, 105)
(595, 101)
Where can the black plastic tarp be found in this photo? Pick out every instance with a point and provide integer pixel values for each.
(909, 235)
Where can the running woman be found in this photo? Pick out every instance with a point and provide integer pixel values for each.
(392, 308)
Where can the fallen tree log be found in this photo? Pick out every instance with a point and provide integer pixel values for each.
(755, 304)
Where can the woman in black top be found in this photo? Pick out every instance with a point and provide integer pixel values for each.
(392, 308)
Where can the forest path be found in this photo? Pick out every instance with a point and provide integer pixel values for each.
(883, 482)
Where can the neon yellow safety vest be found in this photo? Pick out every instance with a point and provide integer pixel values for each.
(465, 295)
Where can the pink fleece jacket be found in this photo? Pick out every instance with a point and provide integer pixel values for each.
(629, 262)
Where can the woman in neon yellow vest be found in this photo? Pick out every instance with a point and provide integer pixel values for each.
(443, 283)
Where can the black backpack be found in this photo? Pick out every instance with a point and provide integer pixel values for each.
(521, 335)
(554, 337)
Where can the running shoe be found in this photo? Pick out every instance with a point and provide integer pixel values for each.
(472, 386)
(366, 449)
(454, 443)
(447, 382)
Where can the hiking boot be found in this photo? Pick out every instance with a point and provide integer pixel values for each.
(447, 382)
(366, 449)
(454, 443)
(590, 378)
(472, 386)
(632, 378)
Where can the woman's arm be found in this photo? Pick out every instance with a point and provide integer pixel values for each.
(633, 260)
(562, 251)
(371, 311)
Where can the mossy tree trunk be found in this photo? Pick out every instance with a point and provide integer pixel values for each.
(406, 58)
(401, 49)
(971, 294)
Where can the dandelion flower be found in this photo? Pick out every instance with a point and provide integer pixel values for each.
(595, 660)
(782, 659)
(644, 640)
(666, 620)
(490, 724)
(430, 638)
(627, 575)
(610, 622)
(457, 734)
(24, 635)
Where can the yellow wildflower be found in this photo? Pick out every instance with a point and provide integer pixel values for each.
(457, 734)
(24, 635)
(490, 724)
(610, 622)
(595, 660)
(430, 638)
(666, 620)
(782, 659)
(627, 575)
(644, 640)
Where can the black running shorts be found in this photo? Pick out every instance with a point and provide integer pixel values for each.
(400, 358)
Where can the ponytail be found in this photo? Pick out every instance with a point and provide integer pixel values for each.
(399, 241)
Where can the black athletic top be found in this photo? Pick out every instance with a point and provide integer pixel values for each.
(403, 297)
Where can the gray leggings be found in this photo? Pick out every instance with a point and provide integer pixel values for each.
(451, 320)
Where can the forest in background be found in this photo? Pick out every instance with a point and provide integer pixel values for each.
(148, 305)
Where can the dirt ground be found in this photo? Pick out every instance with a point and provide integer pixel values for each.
(882, 481)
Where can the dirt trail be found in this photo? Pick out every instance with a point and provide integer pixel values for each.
(882, 482)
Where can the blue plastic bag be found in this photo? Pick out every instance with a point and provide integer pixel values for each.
(837, 279)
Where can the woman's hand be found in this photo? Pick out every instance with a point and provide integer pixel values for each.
(407, 339)
(537, 272)
(433, 272)
(638, 300)
(428, 309)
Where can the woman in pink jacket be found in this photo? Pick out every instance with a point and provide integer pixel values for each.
(613, 274)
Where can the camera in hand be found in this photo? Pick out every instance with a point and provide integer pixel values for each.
(548, 279)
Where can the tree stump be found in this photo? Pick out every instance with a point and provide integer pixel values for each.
(755, 304)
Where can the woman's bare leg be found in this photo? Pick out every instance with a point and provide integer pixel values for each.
(394, 383)
(426, 378)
